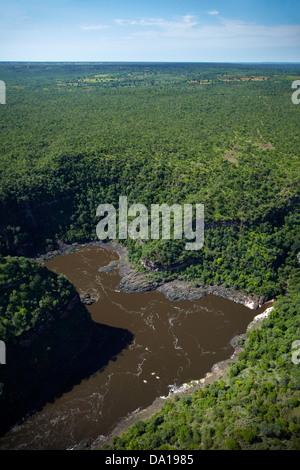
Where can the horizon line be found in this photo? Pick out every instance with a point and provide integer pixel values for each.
(140, 62)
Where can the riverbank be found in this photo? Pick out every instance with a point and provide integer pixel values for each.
(218, 371)
(46, 361)
(132, 280)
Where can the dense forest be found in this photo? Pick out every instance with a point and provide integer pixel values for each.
(73, 136)
(30, 294)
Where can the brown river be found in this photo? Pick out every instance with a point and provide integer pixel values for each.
(174, 343)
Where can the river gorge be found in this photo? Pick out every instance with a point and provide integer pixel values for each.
(173, 343)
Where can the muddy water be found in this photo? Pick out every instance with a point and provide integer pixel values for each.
(173, 343)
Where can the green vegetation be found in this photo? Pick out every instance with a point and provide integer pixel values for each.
(73, 136)
(30, 295)
(157, 135)
(40, 338)
(51, 341)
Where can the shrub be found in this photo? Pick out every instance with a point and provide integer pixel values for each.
(248, 435)
(231, 444)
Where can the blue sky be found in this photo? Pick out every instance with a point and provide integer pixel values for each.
(165, 30)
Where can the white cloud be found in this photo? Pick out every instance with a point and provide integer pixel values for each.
(181, 22)
(213, 12)
(96, 27)
(223, 33)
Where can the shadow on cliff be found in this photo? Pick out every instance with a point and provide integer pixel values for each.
(38, 370)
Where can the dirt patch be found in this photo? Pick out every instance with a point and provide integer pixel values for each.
(230, 158)
(267, 146)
